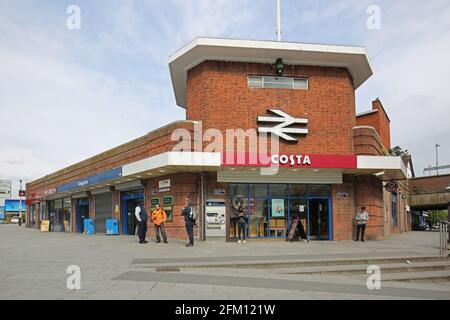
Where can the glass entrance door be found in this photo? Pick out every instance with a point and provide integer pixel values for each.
(319, 219)
(130, 200)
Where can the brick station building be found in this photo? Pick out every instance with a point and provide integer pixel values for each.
(330, 161)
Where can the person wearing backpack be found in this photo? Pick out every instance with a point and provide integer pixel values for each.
(189, 218)
(142, 218)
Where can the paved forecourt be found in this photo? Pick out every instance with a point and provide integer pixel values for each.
(33, 266)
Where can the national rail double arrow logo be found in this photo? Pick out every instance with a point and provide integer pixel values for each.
(283, 129)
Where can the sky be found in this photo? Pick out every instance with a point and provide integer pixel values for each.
(66, 95)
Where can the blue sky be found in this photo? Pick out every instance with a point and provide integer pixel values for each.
(67, 95)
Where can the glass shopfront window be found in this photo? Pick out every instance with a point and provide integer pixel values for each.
(32, 214)
(67, 214)
(59, 215)
(272, 208)
(41, 215)
(240, 198)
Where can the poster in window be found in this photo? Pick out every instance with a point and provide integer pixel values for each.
(278, 208)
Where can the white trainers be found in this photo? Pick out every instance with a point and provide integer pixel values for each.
(245, 241)
(239, 241)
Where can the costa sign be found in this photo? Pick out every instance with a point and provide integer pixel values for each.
(289, 160)
(292, 160)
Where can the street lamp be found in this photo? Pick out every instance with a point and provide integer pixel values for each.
(20, 204)
(437, 146)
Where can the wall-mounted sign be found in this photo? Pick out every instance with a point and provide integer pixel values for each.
(98, 178)
(313, 161)
(168, 201)
(164, 184)
(22, 193)
(392, 186)
(219, 192)
(342, 195)
(291, 160)
(14, 205)
(5, 189)
(50, 192)
(278, 208)
(154, 202)
(162, 190)
(283, 127)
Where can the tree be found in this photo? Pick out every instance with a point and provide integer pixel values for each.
(398, 152)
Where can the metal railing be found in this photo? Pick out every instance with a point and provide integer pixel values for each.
(443, 237)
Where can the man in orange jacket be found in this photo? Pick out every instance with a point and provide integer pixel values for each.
(159, 218)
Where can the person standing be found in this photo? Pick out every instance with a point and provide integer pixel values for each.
(242, 221)
(142, 218)
(362, 217)
(189, 218)
(159, 218)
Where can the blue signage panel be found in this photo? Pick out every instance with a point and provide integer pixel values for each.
(99, 178)
(14, 205)
(2, 213)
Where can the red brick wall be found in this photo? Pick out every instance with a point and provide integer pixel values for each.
(379, 121)
(367, 142)
(343, 210)
(182, 185)
(218, 94)
(369, 194)
(430, 184)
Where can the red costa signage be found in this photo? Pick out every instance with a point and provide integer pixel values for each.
(290, 161)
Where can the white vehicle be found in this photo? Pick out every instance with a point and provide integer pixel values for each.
(15, 220)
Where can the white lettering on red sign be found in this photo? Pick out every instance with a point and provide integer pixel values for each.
(292, 160)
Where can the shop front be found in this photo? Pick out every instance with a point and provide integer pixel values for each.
(271, 209)
(59, 215)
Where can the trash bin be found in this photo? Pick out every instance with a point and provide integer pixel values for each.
(89, 226)
(112, 227)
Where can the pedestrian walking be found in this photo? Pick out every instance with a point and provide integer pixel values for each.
(142, 218)
(189, 219)
(159, 218)
(362, 217)
(242, 221)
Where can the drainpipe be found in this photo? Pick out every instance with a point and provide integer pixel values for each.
(202, 203)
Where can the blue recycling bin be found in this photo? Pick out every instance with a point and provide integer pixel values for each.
(89, 226)
(112, 227)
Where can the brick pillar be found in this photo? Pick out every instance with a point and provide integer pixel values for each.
(343, 210)
(369, 194)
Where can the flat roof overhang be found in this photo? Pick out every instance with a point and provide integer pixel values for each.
(385, 168)
(354, 59)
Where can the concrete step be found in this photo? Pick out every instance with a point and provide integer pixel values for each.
(295, 263)
(350, 270)
(419, 277)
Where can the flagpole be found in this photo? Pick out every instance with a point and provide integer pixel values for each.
(279, 20)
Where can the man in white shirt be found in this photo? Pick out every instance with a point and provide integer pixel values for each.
(142, 218)
(362, 217)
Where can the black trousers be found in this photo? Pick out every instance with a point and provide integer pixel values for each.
(190, 231)
(142, 231)
(360, 229)
(163, 232)
(242, 229)
(301, 231)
